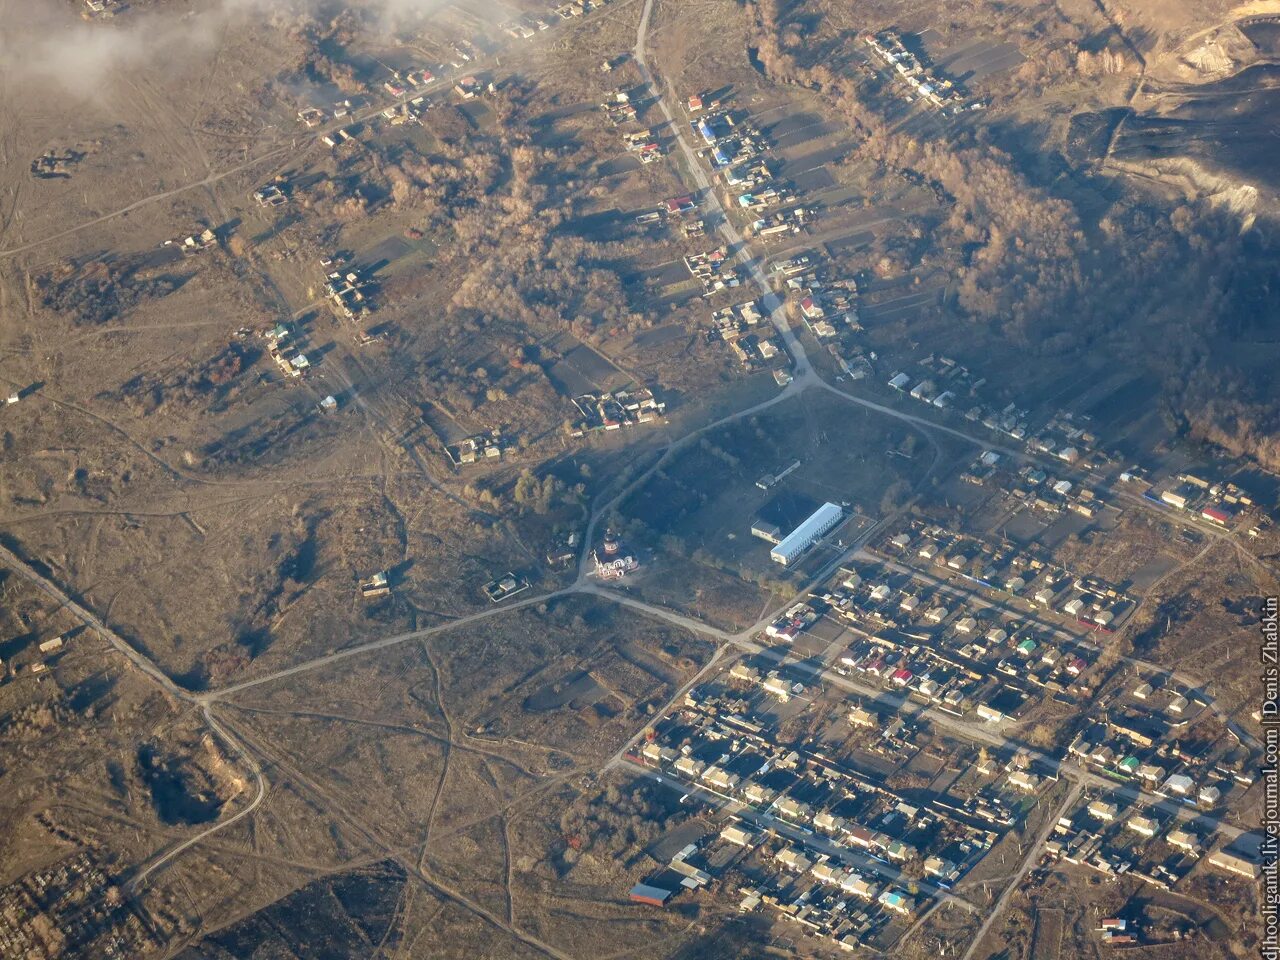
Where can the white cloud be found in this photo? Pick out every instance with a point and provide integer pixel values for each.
(46, 41)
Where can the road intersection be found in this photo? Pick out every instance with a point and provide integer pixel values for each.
(731, 644)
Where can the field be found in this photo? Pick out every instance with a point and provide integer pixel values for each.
(449, 756)
(696, 511)
(565, 898)
(205, 500)
(293, 295)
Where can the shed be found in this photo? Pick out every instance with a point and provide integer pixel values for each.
(653, 896)
(1236, 863)
(769, 532)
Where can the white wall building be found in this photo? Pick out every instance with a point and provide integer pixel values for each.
(820, 522)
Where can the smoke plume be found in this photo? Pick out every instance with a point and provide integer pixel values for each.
(47, 42)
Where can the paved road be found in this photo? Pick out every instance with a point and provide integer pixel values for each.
(715, 214)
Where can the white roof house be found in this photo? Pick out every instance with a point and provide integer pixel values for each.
(1103, 810)
(829, 822)
(689, 767)
(1024, 780)
(738, 835)
(828, 872)
(989, 713)
(794, 860)
(1180, 784)
(1145, 826)
(859, 886)
(1184, 840)
(720, 778)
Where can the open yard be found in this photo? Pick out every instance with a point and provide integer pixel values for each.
(697, 510)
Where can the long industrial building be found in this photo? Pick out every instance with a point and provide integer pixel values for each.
(804, 536)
